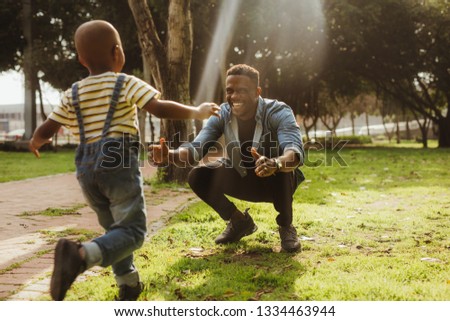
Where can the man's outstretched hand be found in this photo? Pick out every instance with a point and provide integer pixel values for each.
(264, 166)
(158, 155)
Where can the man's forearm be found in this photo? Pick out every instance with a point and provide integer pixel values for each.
(289, 161)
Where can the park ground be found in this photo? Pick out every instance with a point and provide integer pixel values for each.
(37, 211)
(374, 225)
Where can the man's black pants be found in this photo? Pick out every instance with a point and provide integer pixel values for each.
(213, 183)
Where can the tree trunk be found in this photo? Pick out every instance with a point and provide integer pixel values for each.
(151, 44)
(176, 83)
(443, 125)
(389, 133)
(444, 131)
(152, 128)
(170, 66)
(352, 118)
(142, 114)
(41, 101)
(367, 124)
(314, 105)
(308, 128)
(408, 130)
(29, 71)
(424, 130)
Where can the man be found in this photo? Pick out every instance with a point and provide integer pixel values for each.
(264, 149)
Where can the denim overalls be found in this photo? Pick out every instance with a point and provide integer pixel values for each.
(109, 176)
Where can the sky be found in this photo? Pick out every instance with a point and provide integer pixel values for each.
(12, 90)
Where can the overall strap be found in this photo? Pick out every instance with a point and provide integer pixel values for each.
(112, 106)
(114, 99)
(76, 105)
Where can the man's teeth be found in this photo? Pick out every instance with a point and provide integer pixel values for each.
(237, 104)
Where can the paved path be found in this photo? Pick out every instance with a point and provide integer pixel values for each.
(27, 242)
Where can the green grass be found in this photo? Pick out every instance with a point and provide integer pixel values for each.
(23, 165)
(51, 211)
(432, 143)
(80, 235)
(375, 229)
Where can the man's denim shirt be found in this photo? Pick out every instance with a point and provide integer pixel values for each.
(276, 131)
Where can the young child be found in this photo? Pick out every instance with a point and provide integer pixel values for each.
(101, 111)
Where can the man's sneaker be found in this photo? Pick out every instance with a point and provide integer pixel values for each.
(237, 229)
(289, 238)
(130, 293)
(68, 265)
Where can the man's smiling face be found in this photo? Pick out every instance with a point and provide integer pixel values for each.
(242, 95)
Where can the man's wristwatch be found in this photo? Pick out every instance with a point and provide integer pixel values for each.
(278, 164)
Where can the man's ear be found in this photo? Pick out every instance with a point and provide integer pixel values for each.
(259, 91)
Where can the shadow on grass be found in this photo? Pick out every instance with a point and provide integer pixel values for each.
(232, 272)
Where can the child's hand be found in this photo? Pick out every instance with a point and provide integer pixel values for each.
(159, 154)
(34, 147)
(206, 110)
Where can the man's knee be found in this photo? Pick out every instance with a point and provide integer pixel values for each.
(196, 177)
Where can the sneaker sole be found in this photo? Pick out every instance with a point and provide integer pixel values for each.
(58, 283)
(56, 290)
(292, 249)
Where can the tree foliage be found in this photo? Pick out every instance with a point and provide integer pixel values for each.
(54, 24)
(304, 50)
(397, 46)
(11, 34)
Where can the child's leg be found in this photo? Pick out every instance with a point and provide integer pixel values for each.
(121, 212)
(117, 198)
(125, 272)
(92, 254)
(127, 278)
(124, 190)
(116, 195)
(128, 231)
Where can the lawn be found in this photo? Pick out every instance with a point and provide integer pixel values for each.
(22, 165)
(374, 225)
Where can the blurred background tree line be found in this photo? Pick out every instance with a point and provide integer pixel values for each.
(325, 59)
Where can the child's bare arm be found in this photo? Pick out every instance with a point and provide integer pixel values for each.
(173, 110)
(43, 135)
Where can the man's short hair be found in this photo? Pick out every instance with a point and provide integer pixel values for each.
(244, 70)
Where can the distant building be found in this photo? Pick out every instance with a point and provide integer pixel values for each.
(12, 116)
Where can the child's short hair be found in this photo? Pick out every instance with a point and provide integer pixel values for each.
(244, 70)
